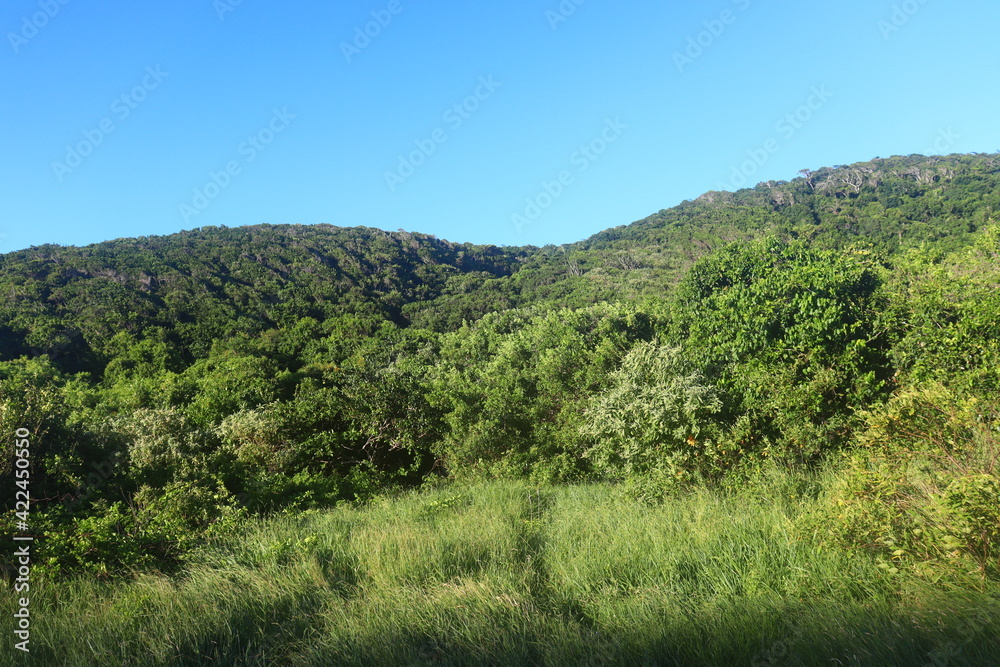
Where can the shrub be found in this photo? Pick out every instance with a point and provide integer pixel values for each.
(164, 445)
(923, 491)
(786, 334)
(651, 425)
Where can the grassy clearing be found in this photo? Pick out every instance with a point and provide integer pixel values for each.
(507, 573)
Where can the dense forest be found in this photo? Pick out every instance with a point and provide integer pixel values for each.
(176, 386)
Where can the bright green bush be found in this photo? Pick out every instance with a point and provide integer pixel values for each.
(101, 540)
(512, 386)
(185, 512)
(229, 383)
(924, 491)
(787, 335)
(653, 421)
(944, 311)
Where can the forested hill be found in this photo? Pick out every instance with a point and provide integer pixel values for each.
(214, 283)
(889, 204)
(173, 387)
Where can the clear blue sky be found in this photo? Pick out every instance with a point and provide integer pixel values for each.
(116, 115)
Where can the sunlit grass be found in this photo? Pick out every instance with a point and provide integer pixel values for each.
(507, 573)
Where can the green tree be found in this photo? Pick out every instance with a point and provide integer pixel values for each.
(789, 337)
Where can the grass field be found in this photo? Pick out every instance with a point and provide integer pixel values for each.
(511, 574)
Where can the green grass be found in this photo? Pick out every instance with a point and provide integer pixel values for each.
(506, 573)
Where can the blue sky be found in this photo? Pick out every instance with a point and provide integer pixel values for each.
(524, 122)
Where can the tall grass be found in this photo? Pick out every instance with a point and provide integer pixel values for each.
(506, 573)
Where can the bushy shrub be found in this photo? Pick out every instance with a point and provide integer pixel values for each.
(155, 529)
(945, 314)
(163, 445)
(227, 383)
(787, 335)
(184, 512)
(257, 438)
(512, 386)
(923, 492)
(101, 541)
(652, 425)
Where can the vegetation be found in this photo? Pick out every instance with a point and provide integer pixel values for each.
(653, 446)
(508, 573)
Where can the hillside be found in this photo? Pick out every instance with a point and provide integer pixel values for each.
(208, 376)
(212, 283)
(887, 204)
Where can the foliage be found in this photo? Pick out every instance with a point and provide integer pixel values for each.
(510, 387)
(946, 309)
(925, 492)
(654, 418)
(786, 335)
(173, 385)
(509, 573)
